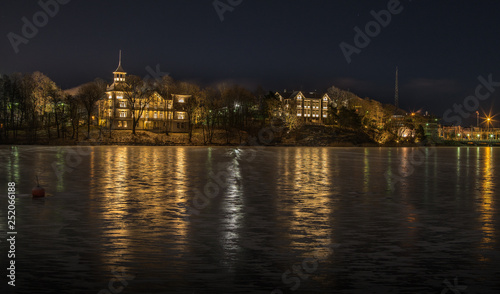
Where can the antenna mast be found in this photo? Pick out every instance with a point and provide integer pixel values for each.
(396, 91)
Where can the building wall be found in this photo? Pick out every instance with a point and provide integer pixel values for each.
(310, 109)
(160, 114)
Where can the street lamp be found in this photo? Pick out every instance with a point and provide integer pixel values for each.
(477, 116)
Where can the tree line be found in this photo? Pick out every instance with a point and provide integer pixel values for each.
(33, 109)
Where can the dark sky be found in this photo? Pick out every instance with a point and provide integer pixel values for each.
(440, 47)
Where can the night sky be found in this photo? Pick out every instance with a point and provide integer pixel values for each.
(440, 47)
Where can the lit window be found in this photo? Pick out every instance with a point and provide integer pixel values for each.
(123, 104)
(110, 96)
(119, 124)
(299, 114)
(181, 99)
(299, 97)
(124, 124)
(119, 96)
(155, 115)
(181, 115)
(123, 114)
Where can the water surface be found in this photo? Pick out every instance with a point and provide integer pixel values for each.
(254, 220)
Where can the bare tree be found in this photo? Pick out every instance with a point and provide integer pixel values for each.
(191, 105)
(74, 115)
(165, 88)
(89, 94)
(32, 108)
(209, 106)
(44, 88)
(139, 94)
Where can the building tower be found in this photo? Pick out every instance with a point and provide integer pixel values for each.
(119, 73)
(396, 91)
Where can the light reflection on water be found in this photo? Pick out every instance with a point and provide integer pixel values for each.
(488, 191)
(125, 207)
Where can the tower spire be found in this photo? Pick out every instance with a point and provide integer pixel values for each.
(119, 72)
(120, 68)
(396, 91)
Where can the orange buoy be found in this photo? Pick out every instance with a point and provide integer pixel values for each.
(38, 191)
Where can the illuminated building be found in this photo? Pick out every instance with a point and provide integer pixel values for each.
(160, 113)
(312, 107)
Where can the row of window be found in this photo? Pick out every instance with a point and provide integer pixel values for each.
(306, 101)
(120, 96)
(307, 106)
(180, 115)
(123, 104)
(310, 115)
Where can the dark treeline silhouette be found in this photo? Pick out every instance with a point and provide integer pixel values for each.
(34, 110)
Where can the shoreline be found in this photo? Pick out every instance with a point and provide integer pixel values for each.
(311, 136)
(339, 145)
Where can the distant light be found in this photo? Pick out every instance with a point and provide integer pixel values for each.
(459, 135)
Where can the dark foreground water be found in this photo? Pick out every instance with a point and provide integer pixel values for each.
(249, 220)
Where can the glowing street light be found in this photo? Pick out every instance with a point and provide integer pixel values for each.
(488, 122)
